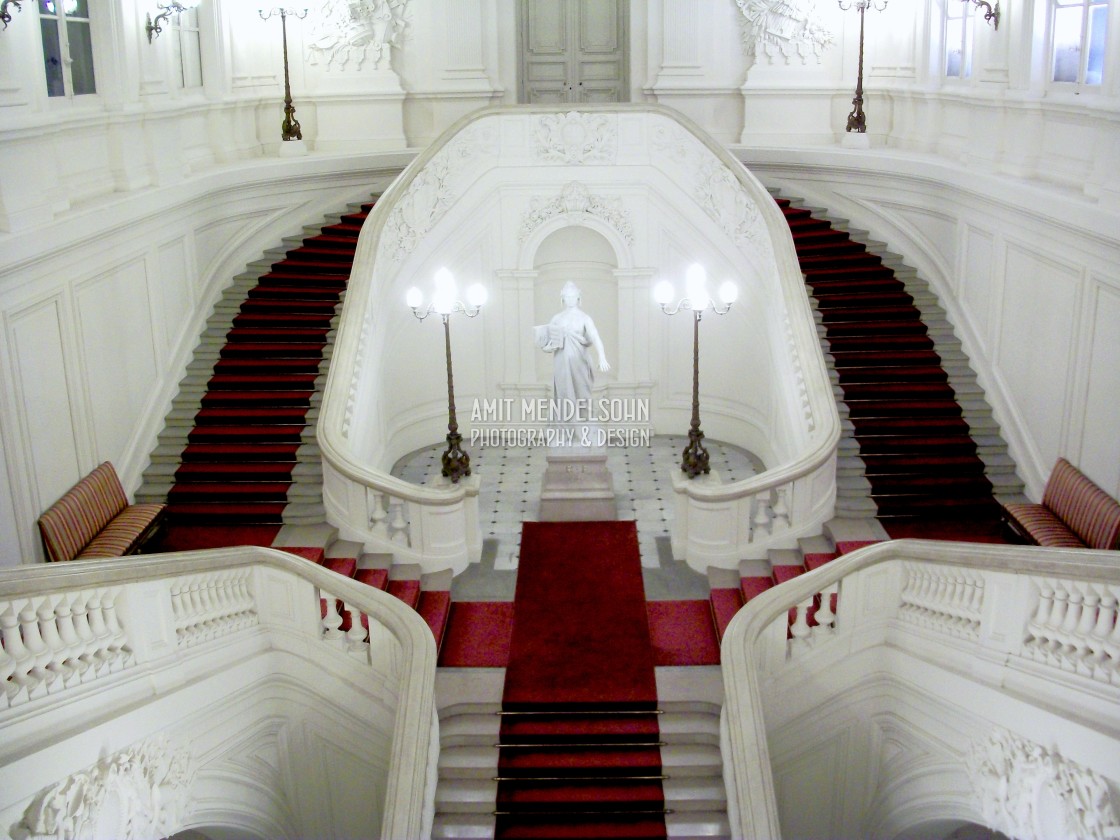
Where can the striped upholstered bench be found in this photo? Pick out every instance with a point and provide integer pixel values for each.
(94, 519)
(1075, 513)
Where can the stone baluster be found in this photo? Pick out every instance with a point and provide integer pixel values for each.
(178, 608)
(825, 617)
(378, 517)
(1078, 649)
(48, 632)
(33, 642)
(1099, 657)
(26, 674)
(800, 629)
(1058, 605)
(118, 639)
(332, 620)
(356, 644)
(398, 525)
(69, 636)
(1036, 627)
(1112, 648)
(7, 676)
(80, 611)
(781, 507)
(761, 519)
(96, 616)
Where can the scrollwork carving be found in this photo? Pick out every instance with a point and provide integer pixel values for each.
(350, 33)
(1028, 792)
(575, 137)
(139, 793)
(783, 29)
(576, 199)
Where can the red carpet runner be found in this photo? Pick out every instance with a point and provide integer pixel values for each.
(580, 751)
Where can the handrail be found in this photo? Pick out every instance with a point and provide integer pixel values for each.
(408, 775)
(755, 809)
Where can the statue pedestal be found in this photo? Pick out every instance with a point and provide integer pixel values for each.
(577, 486)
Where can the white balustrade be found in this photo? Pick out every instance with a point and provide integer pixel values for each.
(210, 606)
(56, 641)
(1074, 628)
(947, 600)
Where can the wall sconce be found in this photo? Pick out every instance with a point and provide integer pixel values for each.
(5, 15)
(991, 15)
(174, 7)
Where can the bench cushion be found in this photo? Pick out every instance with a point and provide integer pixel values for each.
(87, 507)
(125, 533)
(1088, 511)
(1038, 523)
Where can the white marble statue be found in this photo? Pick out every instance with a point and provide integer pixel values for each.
(567, 337)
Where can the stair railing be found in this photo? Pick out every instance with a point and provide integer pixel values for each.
(1005, 611)
(124, 629)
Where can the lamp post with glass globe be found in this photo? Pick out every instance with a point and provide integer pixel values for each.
(697, 300)
(456, 463)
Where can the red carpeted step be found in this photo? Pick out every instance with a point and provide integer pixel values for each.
(886, 374)
(725, 603)
(343, 229)
(583, 826)
(895, 408)
(848, 546)
(857, 256)
(217, 491)
(897, 390)
(478, 635)
(407, 591)
(226, 513)
(287, 320)
(914, 444)
(271, 365)
(209, 452)
(245, 434)
(682, 633)
(556, 762)
(824, 288)
(345, 566)
(839, 304)
(596, 794)
(924, 463)
(814, 560)
(250, 416)
(895, 357)
(314, 553)
(909, 425)
(561, 728)
(860, 314)
(289, 306)
(780, 574)
(234, 471)
(377, 578)
(752, 587)
(278, 335)
(910, 325)
(434, 607)
(858, 343)
(262, 382)
(302, 291)
(937, 505)
(317, 268)
(319, 253)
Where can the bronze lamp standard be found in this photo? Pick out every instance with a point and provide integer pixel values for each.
(289, 129)
(697, 300)
(856, 120)
(456, 462)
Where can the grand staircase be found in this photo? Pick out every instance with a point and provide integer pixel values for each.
(239, 444)
(919, 441)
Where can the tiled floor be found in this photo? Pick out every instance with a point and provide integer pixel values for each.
(510, 491)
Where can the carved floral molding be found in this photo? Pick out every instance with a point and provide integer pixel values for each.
(139, 793)
(576, 137)
(350, 34)
(576, 199)
(782, 30)
(1031, 793)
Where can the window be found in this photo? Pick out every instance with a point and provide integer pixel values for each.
(958, 38)
(188, 47)
(67, 47)
(1079, 28)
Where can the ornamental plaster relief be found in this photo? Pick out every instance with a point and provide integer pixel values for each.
(1032, 793)
(357, 34)
(576, 137)
(783, 30)
(433, 190)
(575, 200)
(138, 793)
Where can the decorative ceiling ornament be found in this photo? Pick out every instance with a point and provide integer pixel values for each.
(783, 29)
(351, 33)
(137, 794)
(1031, 793)
(576, 199)
(576, 137)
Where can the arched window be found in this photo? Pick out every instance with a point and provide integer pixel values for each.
(1078, 36)
(67, 47)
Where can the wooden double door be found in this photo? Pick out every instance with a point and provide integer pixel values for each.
(573, 51)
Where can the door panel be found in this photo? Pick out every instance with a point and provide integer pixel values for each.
(573, 51)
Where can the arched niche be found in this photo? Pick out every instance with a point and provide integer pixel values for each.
(579, 254)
